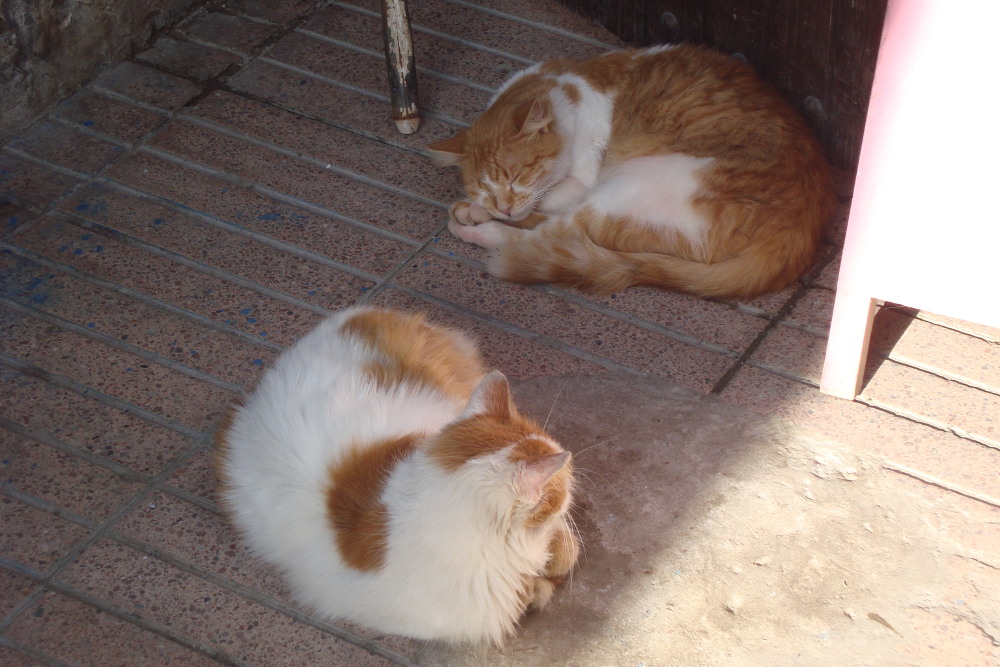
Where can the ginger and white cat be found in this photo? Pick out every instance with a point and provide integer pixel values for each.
(675, 167)
(396, 485)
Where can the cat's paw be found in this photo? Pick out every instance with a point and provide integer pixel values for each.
(467, 213)
(541, 592)
(489, 234)
(566, 194)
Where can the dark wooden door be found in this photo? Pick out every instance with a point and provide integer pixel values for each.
(819, 53)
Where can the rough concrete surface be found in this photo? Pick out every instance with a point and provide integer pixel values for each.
(715, 537)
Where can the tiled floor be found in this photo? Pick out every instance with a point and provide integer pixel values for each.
(173, 226)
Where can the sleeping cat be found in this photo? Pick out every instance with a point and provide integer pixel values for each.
(675, 167)
(395, 484)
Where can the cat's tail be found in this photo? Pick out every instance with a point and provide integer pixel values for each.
(579, 262)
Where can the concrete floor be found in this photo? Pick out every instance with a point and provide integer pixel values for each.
(177, 223)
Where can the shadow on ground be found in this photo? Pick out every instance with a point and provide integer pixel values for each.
(713, 536)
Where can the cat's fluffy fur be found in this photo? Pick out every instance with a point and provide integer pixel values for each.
(395, 483)
(669, 166)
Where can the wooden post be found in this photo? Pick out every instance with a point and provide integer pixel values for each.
(401, 65)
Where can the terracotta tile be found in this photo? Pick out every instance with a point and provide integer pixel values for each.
(990, 334)
(94, 111)
(227, 30)
(12, 216)
(517, 357)
(124, 318)
(224, 249)
(830, 274)
(270, 11)
(52, 625)
(31, 184)
(335, 238)
(553, 14)
(224, 621)
(67, 148)
(944, 456)
(711, 321)
(767, 304)
(508, 36)
(187, 59)
(334, 104)
(319, 141)
(14, 658)
(87, 424)
(130, 378)
(13, 590)
(33, 538)
(945, 403)
(544, 314)
(909, 340)
(173, 283)
(794, 351)
(197, 476)
(367, 72)
(66, 481)
(201, 538)
(430, 51)
(814, 309)
(145, 84)
(342, 195)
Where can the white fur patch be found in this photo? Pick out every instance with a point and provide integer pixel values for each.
(587, 122)
(655, 191)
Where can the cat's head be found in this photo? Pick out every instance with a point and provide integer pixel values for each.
(521, 471)
(509, 157)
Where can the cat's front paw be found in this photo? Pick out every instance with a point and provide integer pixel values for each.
(489, 234)
(467, 213)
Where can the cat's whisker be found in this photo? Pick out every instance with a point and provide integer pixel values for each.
(555, 401)
(596, 444)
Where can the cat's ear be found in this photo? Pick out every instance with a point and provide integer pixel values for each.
(448, 152)
(491, 397)
(537, 118)
(537, 473)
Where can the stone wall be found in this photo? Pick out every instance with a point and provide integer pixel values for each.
(49, 48)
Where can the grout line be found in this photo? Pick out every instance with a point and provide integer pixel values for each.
(278, 244)
(44, 437)
(538, 25)
(416, 27)
(32, 653)
(583, 301)
(928, 421)
(151, 301)
(196, 265)
(122, 346)
(506, 327)
(364, 92)
(940, 483)
(256, 596)
(307, 159)
(348, 46)
(801, 290)
(64, 382)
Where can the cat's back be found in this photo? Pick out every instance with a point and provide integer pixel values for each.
(363, 376)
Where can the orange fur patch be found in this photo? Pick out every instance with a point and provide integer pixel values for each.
(478, 436)
(412, 350)
(766, 196)
(354, 501)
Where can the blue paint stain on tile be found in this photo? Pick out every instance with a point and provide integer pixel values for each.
(251, 320)
(78, 252)
(263, 334)
(130, 370)
(97, 248)
(159, 221)
(88, 123)
(91, 325)
(270, 216)
(13, 221)
(257, 362)
(86, 237)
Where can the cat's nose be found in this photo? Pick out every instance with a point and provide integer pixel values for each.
(505, 210)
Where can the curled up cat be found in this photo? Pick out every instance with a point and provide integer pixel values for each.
(672, 166)
(395, 483)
